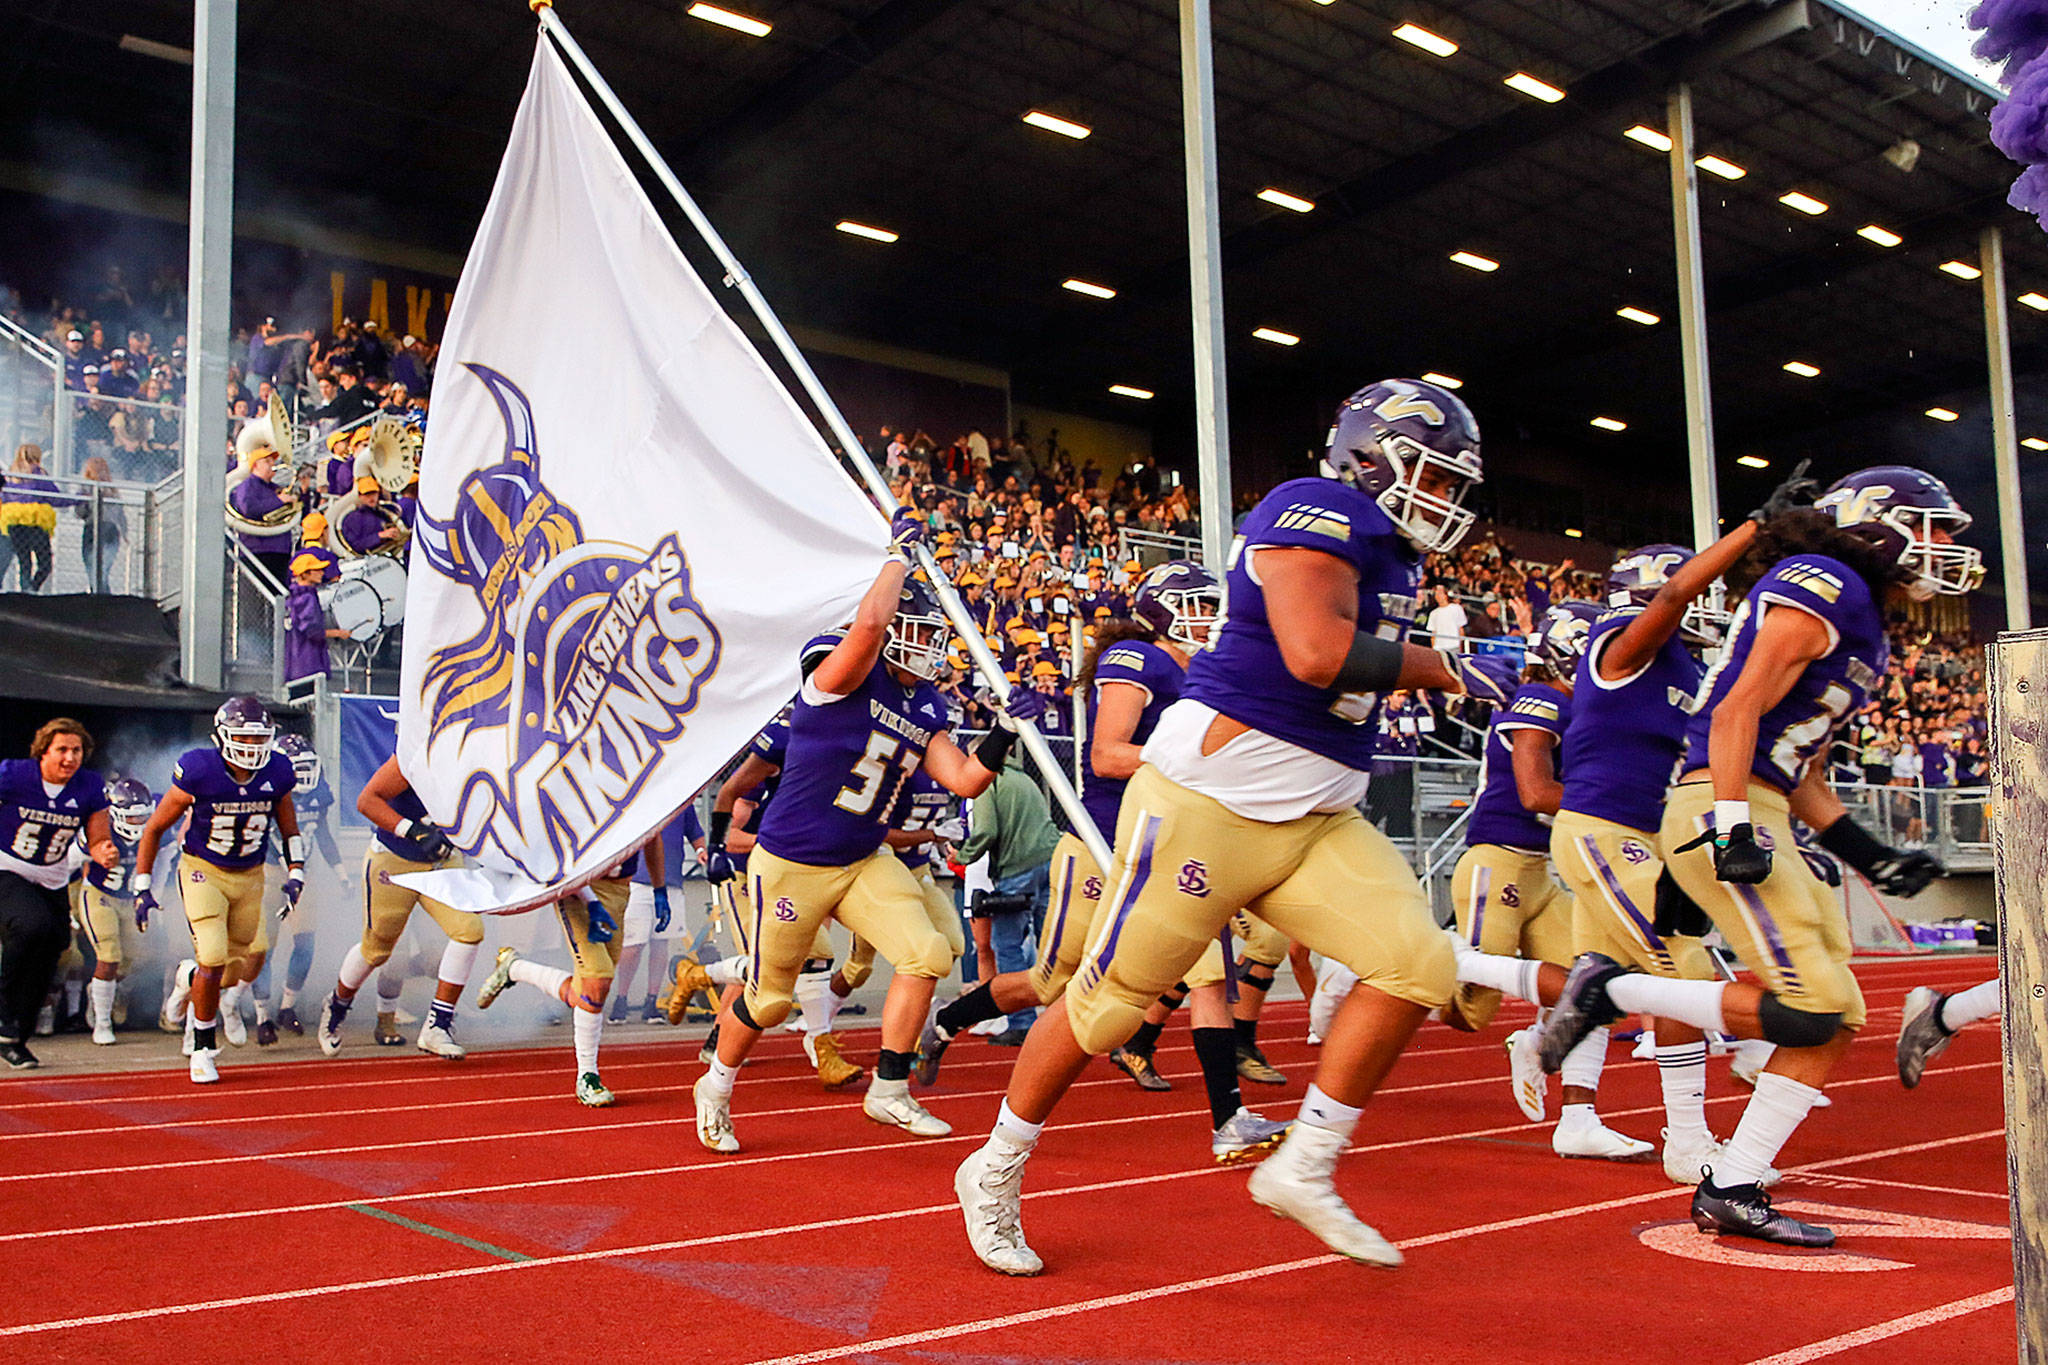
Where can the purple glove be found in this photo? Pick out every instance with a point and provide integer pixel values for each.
(906, 529)
(1487, 677)
(1025, 704)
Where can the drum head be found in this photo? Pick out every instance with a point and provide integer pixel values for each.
(387, 576)
(356, 608)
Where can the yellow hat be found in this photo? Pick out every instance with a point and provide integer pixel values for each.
(1045, 668)
(366, 484)
(313, 526)
(1059, 625)
(1026, 636)
(303, 563)
(970, 579)
(1101, 612)
(1004, 581)
(1133, 567)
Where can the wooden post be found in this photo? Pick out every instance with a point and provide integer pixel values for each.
(2018, 684)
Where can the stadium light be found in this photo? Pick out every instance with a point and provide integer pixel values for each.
(1962, 270)
(1802, 203)
(873, 234)
(1801, 368)
(1753, 461)
(1093, 291)
(2037, 302)
(1532, 87)
(1871, 232)
(725, 18)
(1442, 381)
(1053, 123)
(1715, 165)
(1575, 533)
(1286, 200)
(2035, 443)
(1276, 336)
(1635, 314)
(1472, 260)
(1610, 424)
(1649, 137)
(1129, 391)
(1943, 414)
(1435, 44)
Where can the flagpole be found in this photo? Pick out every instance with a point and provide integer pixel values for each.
(737, 277)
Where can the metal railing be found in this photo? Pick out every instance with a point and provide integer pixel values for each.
(1156, 547)
(141, 440)
(1952, 823)
(97, 542)
(31, 380)
(255, 626)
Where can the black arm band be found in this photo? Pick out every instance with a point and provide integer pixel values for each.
(1853, 844)
(994, 749)
(1372, 665)
(714, 838)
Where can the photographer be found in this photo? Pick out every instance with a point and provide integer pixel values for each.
(1012, 824)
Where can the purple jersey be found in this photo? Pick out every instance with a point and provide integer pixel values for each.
(1241, 673)
(679, 838)
(37, 826)
(1142, 664)
(1498, 815)
(230, 821)
(1622, 746)
(924, 803)
(116, 880)
(848, 759)
(1833, 686)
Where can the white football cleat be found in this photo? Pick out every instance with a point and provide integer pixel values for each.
(1594, 1140)
(103, 1032)
(439, 1042)
(173, 1015)
(232, 1029)
(204, 1070)
(990, 1188)
(332, 1015)
(890, 1102)
(1645, 1049)
(1526, 1078)
(1296, 1183)
(501, 976)
(714, 1118)
(191, 1038)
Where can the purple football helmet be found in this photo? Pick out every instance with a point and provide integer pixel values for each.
(129, 806)
(244, 732)
(1180, 602)
(305, 762)
(1637, 575)
(919, 633)
(1415, 448)
(1560, 636)
(1899, 509)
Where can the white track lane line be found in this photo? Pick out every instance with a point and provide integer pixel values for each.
(1883, 1331)
(1999, 1195)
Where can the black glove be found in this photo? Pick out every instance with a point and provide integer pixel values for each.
(1906, 873)
(431, 838)
(1738, 857)
(1797, 492)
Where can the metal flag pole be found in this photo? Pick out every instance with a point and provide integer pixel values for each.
(737, 277)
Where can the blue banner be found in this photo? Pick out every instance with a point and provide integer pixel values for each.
(369, 735)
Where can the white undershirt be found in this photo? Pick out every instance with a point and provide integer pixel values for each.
(1254, 775)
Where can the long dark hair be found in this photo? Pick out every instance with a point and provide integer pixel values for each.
(1110, 633)
(1809, 531)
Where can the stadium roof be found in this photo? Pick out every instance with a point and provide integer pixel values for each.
(388, 117)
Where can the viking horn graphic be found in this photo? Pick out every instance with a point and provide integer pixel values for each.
(520, 442)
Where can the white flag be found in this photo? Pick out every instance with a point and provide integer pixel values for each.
(627, 528)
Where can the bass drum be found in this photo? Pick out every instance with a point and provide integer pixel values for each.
(354, 606)
(386, 577)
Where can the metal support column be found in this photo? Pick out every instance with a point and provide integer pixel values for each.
(200, 637)
(2005, 436)
(1692, 321)
(1205, 274)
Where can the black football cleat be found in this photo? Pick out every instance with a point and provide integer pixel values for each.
(1582, 1006)
(1745, 1211)
(18, 1056)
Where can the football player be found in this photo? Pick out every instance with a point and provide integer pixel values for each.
(866, 719)
(46, 801)
(1246, 798)
(314, 800)
(404, 840)
(106, 902)
(589, 927)
(235, 791)
(646, 922)
(1806, 647)
(1932, 1018)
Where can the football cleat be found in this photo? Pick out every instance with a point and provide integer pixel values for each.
(232, 1030)
(1595, 1141)
(46, 1021)
(1138, 1066)
(1243, 1136)
(266, 1033)
(990, 1188)
(333, 1010)
(1525, 1074)
(1253, 1066)
(18, 1056)
(834, 1071)
(288, 1020)
(1921, 1036)
(500, 977)
(190, 1035)
(204, 1069)
(388, 1033)
(173, 1016)
(714, 1118)
(1689, 1165)
(590, 1091)
(436, 1041)
(1745, 1211)
(687, 976)
(103, 1032)
(931, 1046)
(1296, 1183)
(890, 1102)
(1582, 1006)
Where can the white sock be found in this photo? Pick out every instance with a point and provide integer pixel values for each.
(1689, 1002)
(231, 998)
(289, 999)
(1320, 1111)
(102, 993)
(1509, 975)
(811, 990)
(74, 992)
(1020, 1131)
(1967, 1007)
(721, 1077)
(262, 1009)
(355, 969)
(1682, 1072)
(589, 1028)
(1584, 1063)
(833, 1000)
(457, 961)
(1776, 1109)
(543, 978)
(725, 971)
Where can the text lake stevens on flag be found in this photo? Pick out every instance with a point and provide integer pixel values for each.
(627, 528)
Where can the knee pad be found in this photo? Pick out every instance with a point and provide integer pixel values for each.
(1788, 1027)
(1104, 1022)
(1471, 1008)
(857, 971)
(761, 1012)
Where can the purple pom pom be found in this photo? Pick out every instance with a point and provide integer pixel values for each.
(2015, 32)
(2019, 125)
(2030, 192)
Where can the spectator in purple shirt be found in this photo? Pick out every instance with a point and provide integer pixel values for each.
(28, 510)
(117, 380)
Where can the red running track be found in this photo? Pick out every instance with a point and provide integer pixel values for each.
(405, 1209)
